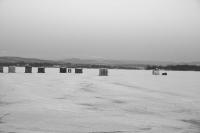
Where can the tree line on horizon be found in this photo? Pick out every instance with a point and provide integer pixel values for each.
(175, 67)
(134, 67)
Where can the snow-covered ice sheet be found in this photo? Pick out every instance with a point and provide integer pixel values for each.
(127, 101)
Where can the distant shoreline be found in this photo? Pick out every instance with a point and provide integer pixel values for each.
(91, 66)
(21, 62)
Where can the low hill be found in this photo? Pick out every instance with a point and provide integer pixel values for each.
(7, 59)
(113, 62)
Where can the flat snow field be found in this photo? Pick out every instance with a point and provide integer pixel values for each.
(127, 101)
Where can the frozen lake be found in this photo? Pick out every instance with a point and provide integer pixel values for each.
(127, 101)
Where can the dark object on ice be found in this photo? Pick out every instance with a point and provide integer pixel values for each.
(11, 69)
(28, 69)
(1, 69)
(69, 70)
(41, 70)
(63, 70)
(78, 70)
(103, 72)
(164, 73)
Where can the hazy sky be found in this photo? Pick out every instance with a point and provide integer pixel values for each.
(166, 30)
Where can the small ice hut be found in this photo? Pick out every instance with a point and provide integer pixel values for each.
(103, 72)
(11, 69)
(28, 69)
(78, 70)
(1, 69)
(41, 70)
(69, 70)
(63, 69)
(156, 71)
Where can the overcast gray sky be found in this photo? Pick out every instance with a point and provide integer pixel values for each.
(166, 30)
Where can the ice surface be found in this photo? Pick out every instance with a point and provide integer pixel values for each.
(127, 101)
